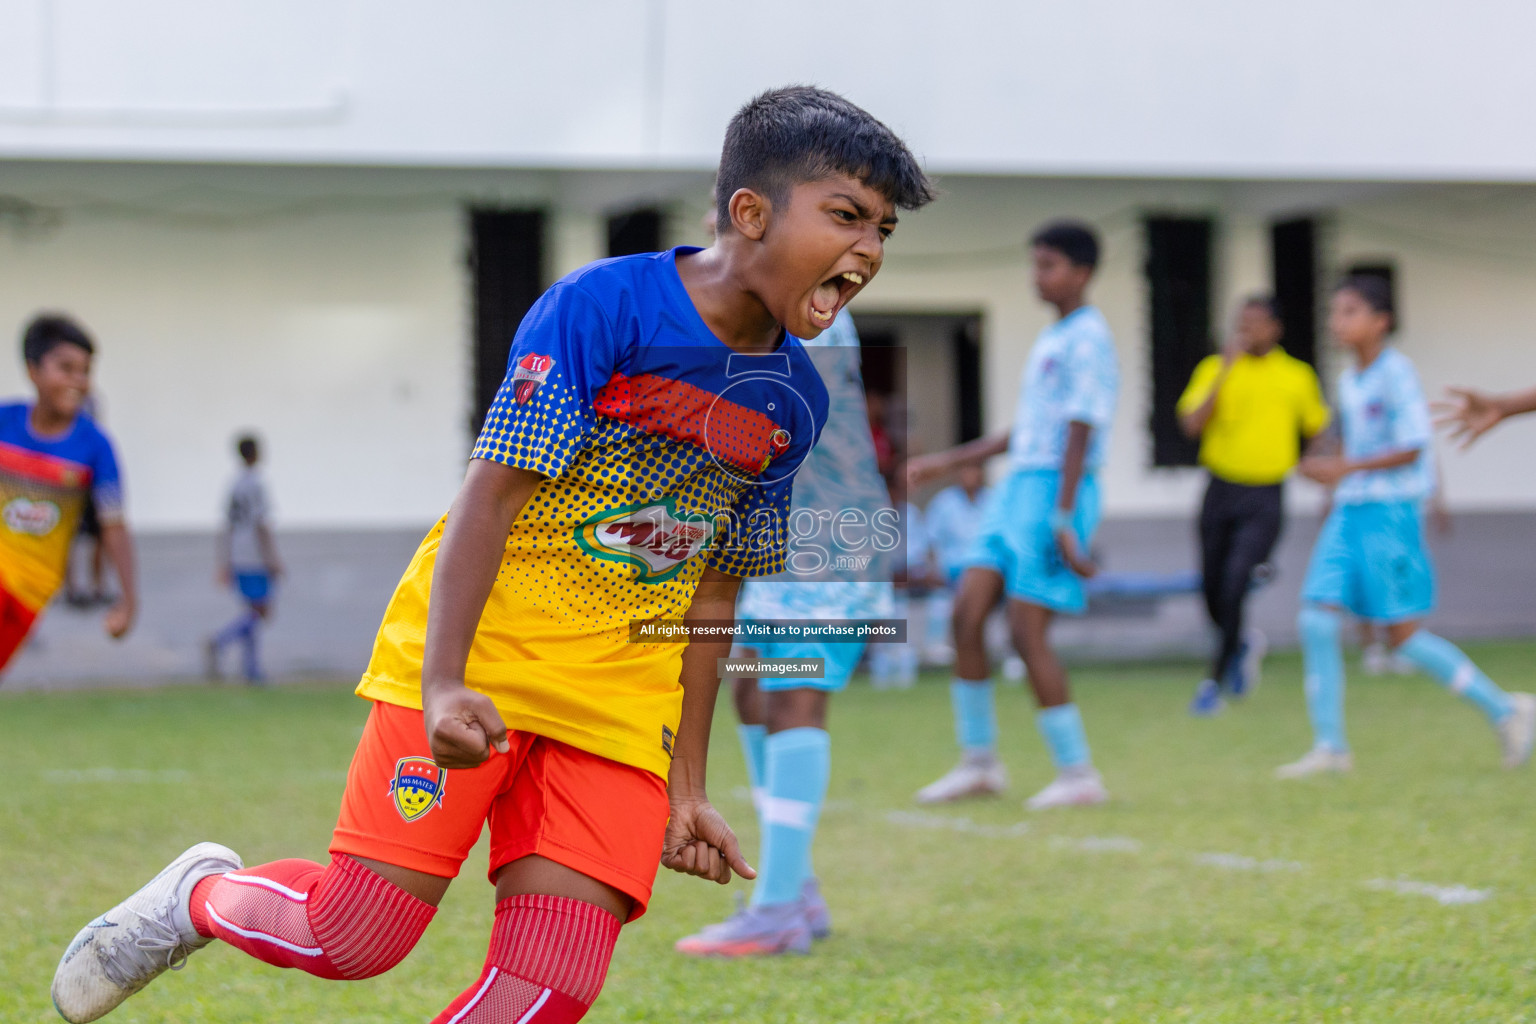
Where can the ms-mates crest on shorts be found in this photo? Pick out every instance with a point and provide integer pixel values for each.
(417, 786)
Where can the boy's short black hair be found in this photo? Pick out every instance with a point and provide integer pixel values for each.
(800, 133)
(47, 332)
(1073, 239)
(1268, 303)
(1375, 291)
(248, 447)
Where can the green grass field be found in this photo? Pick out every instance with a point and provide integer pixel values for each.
(1205, 892)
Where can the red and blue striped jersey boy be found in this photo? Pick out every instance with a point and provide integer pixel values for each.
(44, 483)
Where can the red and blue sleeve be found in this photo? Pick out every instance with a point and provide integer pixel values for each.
(106, 482)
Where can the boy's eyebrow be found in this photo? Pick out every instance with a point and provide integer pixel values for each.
(861, 209)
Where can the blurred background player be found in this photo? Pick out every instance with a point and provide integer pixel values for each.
(1249, 405)
(248, 562)
(894, 666)
(1039, 522)
(504, 670)
(783, 728)
(1370, 557)
(1376, 656)
(953, 517)
(52, 458)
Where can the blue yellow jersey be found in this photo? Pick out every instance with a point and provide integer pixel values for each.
(44, 483)
(664, 452)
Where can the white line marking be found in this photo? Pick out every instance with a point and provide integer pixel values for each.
(1237, 862)
(136, 776)
(1098, 844)
(917, 819)
(1445, 895)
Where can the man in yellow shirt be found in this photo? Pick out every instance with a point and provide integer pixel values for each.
(1250, 405)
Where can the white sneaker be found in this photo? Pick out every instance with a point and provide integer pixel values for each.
(1375, 661)
(1070, 789)
(967, 779)
(1517, 733)
(130, 945)
(1315, 762)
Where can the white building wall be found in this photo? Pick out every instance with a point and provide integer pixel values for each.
(1417, 89)
(329, 309)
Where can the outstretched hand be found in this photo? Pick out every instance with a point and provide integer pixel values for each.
(462, 726)
(1467, 414)
(699, 842)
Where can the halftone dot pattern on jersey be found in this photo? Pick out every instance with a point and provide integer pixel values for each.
(615, 394)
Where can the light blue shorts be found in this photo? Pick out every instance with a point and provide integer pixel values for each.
(1370, 558)
(841, 660)
(1016, 541)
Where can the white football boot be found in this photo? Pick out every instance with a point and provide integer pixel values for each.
(973, 776)
(133, 943)
(1317, 761)
(1074, 787)
(1517, 733)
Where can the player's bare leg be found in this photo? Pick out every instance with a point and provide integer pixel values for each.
(979, 772)
(1077, 781)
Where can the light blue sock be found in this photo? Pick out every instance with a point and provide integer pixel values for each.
(753, 738)
(975, 715)
(1062, 727)
(1449, 664)
(799, 763)
(1323, 664)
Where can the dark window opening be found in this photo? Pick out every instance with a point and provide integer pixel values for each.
(1293, 255)
(506, 252)
(1178, 273)
(966, 347)
(634, 232)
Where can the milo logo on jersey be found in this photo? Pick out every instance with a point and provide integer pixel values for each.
(531, 371)
(417, 786)
(653, 538)
(36, 518)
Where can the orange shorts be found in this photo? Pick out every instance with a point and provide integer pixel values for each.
(16, 621)
(593, 815)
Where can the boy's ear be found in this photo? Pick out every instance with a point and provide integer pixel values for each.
(750, 212)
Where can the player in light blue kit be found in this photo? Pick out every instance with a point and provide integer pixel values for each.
(1370, 557)
(1034, 540)
(953, 518)
(784, 721)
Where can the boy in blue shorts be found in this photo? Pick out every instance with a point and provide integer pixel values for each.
(1370, 558)
(1039, 521)
(783, 727)
(53, 457)
(637, 463)
(248, 562)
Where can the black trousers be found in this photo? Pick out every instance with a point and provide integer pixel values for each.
(1239, 526)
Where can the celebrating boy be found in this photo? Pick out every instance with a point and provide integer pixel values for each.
(637, 463)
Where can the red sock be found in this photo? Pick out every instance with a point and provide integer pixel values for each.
(342, 922)
(549, 956)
